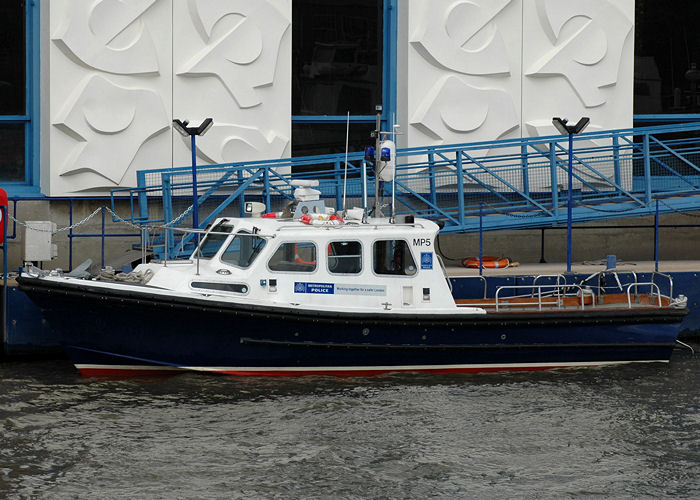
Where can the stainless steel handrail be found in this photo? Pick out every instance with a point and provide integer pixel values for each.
(557, 289)
(557, 276)
(667, 276)
(651, 293)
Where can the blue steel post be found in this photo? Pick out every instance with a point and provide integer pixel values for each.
(553, 178)
(70, 234)
(656, 238)
(460, 188)
(195, 201)
(569, 208)
(241, 208)
(168, 210)
(647, 169)
(266, 180)
(526, 173)
(616, 160)
(143, 198)
(481, 239)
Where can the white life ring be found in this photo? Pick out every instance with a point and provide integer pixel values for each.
(321, 220)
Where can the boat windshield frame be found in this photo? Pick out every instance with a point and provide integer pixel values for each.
(217, 236)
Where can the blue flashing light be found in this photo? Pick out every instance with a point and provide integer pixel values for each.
(385, 154)
(369, 153)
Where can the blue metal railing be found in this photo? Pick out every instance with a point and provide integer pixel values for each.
(72, 234)
(515, 183)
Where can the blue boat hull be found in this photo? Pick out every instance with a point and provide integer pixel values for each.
(129, 332)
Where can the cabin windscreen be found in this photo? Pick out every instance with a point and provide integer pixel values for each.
(243, 249)
(213, 240)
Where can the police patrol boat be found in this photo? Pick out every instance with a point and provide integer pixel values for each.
(315, 292)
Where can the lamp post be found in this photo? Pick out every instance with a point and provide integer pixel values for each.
(562, 125)
(182, 127)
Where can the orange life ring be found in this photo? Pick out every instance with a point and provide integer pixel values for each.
(488, 262)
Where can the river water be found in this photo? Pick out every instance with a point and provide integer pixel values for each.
(629, 431)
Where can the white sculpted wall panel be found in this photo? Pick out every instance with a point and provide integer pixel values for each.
(121, 70)
(587, 42)
(462, 36)
(110, 95)
(108, 35)
(578, 60)
(463, 67)
(233, 63)
(481, 70)
(104, 117)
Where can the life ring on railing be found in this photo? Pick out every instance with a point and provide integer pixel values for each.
(488, 262)
(321, 220)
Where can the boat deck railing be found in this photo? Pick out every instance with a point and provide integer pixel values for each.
(591, 291)
(563, 296)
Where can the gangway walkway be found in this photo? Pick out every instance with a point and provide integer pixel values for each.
(497, 185)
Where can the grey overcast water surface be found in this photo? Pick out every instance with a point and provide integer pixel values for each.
(630, 431)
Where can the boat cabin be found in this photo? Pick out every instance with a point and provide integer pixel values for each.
(357, 264)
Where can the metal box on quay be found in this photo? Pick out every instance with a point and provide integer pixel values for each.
(38, 241)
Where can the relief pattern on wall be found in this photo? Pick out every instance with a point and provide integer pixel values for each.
(498, 62)
(110, 124)
(461, 108)
(240, 50)
(587, 45)
(463, 50)
(108, 35)
(245, 56)
(462, 37)
(114, 75)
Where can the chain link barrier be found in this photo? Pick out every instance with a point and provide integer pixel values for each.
(117, 218)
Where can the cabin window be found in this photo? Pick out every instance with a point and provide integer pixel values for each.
(214, 239)
(299, 256)
(393, 257)
(243, 249)
(345, 257)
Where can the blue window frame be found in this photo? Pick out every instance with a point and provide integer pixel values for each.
(319, 133)
(19, 112)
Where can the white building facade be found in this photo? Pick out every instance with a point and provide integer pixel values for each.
(278, 77)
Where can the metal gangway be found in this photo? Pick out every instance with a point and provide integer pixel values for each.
(484, 186)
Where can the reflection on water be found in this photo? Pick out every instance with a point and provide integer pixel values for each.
(629, 431)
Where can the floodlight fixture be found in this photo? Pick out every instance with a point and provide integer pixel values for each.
(563, 126)
(182, 126)
(204, 126)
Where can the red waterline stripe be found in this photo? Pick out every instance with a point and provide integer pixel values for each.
(136, 372)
